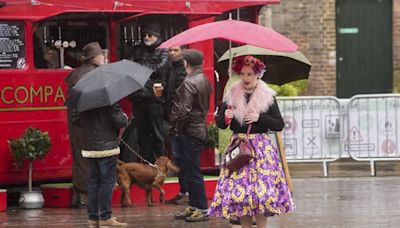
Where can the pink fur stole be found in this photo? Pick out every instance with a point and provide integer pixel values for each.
(260, 101)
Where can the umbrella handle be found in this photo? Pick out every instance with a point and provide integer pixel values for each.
(216, 94)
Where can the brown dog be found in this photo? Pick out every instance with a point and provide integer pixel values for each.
(145, 176)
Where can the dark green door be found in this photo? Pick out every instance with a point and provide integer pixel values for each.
(364, 47)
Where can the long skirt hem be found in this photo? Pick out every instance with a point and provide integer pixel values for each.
(258, 188)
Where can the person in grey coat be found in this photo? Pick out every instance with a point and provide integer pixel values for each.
(92, 57)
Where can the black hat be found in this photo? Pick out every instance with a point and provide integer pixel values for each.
(91, 49)
(152, 28)
(193, 57)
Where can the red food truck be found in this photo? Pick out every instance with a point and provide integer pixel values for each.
(41, 41)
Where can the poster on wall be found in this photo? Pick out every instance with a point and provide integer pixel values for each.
(12, 45)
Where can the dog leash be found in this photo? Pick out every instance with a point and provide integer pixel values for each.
(159, 173)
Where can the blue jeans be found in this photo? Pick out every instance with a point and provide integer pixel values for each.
(189, 149)
(101, 184)
(178, 161)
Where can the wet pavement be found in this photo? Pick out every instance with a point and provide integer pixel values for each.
(321, 202)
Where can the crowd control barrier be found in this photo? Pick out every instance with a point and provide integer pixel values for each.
(373, 123)
(312, 130)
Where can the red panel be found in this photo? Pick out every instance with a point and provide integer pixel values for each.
(3, 200)
(57, 196)
(207, 159)
(23, 9)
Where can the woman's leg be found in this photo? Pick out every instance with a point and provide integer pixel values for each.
(246, 221)
(261, 221)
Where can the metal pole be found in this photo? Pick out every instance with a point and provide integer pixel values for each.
(325, 164)
(230, 53)
(372, 162)
(30, 176)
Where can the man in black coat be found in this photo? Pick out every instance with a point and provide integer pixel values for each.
(93, 57)
(148, 109)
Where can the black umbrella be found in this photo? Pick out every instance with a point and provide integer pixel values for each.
(281, 67)
(109, 83)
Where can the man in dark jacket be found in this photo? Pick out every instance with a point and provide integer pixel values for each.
(99, 131)
(178, 73)
(93, 57)
(148, 109)
(176, 76)
(188, 124)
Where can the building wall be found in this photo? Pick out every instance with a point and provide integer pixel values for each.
(311, 24)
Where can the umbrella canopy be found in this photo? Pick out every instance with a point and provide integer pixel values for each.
(281, 67)
(237, 31)
(109, 83)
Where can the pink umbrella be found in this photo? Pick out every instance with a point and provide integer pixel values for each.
(237, 31)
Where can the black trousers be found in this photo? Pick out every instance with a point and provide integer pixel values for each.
(189, 150)
(149, 117)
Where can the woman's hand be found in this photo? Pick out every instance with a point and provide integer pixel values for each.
(251, 117)
(229, 113)
(228, 116)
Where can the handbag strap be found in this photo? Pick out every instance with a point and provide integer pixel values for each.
(248, 130)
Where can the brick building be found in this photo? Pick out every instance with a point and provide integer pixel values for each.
(312, 24)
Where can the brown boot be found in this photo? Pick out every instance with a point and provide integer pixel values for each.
(112, 222)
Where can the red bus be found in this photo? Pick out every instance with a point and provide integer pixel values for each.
(40, 41)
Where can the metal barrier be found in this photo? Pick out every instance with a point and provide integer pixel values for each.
(373, 132)
(312, 130)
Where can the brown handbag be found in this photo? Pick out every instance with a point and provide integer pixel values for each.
(238, 153)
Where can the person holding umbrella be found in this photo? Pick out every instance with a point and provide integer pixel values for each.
(259, 188)
(100, 118)
(92, 58)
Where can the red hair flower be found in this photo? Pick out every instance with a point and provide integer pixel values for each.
(257, 66)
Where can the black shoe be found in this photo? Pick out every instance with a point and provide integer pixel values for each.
(236, 221)
(175, 199)
(79, 206)
(197, 216)
(186, 213)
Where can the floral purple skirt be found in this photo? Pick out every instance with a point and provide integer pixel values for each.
(259, 187)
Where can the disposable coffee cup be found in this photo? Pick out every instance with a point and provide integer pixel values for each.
(158, 89)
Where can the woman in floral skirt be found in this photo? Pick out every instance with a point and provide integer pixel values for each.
(259, 188)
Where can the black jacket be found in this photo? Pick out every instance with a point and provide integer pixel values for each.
(156, 59)
(176, 76)
(270, 120)
(191, 105)
(100, 128)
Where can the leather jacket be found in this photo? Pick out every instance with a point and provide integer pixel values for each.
(191, 105)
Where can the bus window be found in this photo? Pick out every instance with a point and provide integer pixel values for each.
(58, 41)
(131, 35)
(12, 45)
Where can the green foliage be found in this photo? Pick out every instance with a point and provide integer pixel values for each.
(288, 90)
(291, 89)
(300, 85)
(33, 144)
(213, 138)
(224, 139)
(276, 88)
